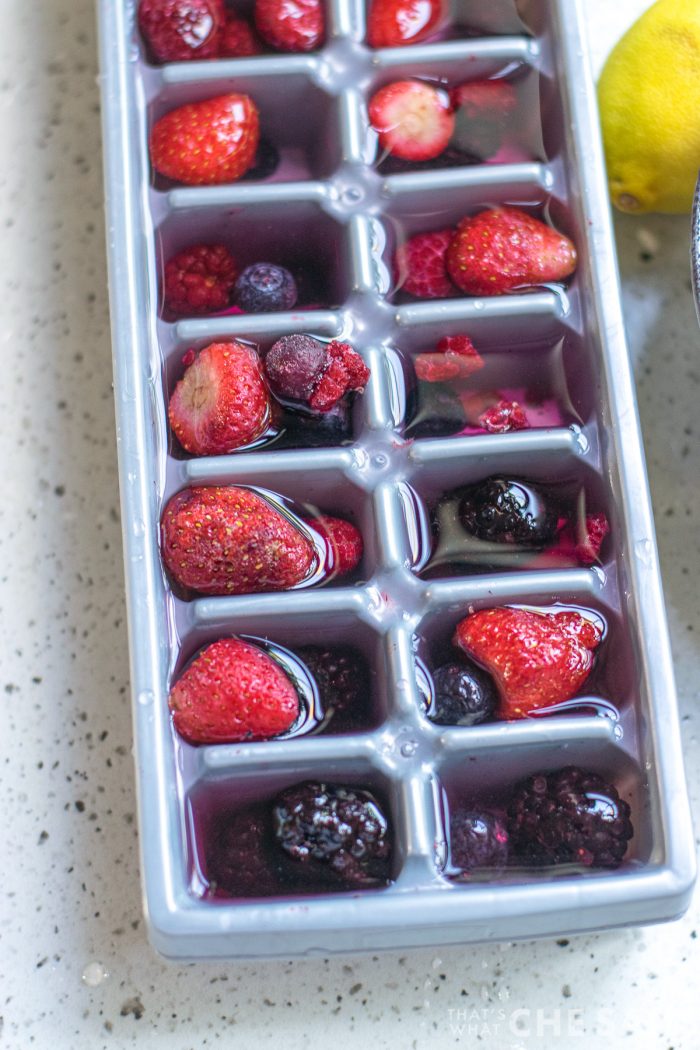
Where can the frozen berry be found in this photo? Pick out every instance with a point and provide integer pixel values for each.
(413, 119)
(420, 266)
(239, 862)
(504, 417)
(464, 695)
(265, 288)
(177, 30)
(342, 681)
(456, 357)
(477, 840)
(265, 163)
(334, 829)
(344, 543)
(294, 364)
(504, 510)
(199, 280)
(345, 371)
(570, 816)
(238, 39)
(439, 413)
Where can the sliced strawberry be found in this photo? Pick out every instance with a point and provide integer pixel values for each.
(420, 266)
(396, 23)
(413, 119)
(537, 659)
(233, 691)
(206, 143)
(221, 403)
(505, 248)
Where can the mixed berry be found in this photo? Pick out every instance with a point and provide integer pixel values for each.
(186, 30)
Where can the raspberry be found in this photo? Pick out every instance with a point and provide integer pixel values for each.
(570, 816)
(177, 30)
(595, 530)
(238, 39)
(344, 542)
(504, 417)
(464, 695)
(503, 510)
(265, 288)
(199, 280)
(456, 358)
(346, 371)
(420, 267)
(334, 830)
(477, 840)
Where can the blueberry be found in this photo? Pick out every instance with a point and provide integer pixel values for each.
(265, 164)
(570, 816)
(439, 412)
(265, 288)
(477, 840)
(504, 510)
(464, 695)
(293, 364)
(336, 831)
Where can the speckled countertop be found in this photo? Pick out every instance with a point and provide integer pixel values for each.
(75, 968)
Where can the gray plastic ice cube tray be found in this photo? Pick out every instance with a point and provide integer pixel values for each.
(327, 201)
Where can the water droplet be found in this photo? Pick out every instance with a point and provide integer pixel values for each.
(94, 974)
(145, 697)
(437, 963)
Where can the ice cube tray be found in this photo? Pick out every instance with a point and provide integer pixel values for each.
(328, 198)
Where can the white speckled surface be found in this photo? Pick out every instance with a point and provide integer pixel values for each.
(71, 904)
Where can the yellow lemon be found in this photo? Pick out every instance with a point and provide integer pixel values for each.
(649, 95)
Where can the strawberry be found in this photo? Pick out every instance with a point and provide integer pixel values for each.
(206, 143)
(230, 540)
(344, 543)
(177, 30)
(504, 248)
(420, 267)
(395, 23)
(290, 25)
(238, 39)
(484, 110)
(221, 403)
(414, 119)
(536, 659)
(199, 280)
(504, 417)
(456, 358)
(233, 691)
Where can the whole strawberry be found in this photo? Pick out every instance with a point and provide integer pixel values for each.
(229, 540)
(221, 403)
(505, 248)
(199, 280)
(396, 23)
(178, 30)
(536, 659)
(290, 25)
(420, 266)
(233, 691)
(413, 119)
(206, 143)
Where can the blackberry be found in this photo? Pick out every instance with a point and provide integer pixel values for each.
(464, 695)
(506, 510)
(568, 817)
(238, 862)
(477, 840)
(333, 830)
(294, 364)
(265, 288)
(266, 162)
(342, 681)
